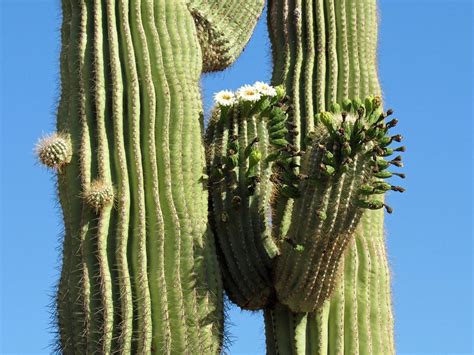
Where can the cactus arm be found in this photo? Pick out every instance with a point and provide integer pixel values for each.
(224, 28)
(240, 217)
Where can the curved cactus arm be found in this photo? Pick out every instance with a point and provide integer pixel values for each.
(341, 170)
(240, 142)
(224, 28)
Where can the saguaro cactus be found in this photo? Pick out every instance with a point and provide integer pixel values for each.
(295, 172)
(139, 272)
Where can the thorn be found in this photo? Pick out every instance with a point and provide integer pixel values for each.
(400, 175)
(389, 112)
(400, 149)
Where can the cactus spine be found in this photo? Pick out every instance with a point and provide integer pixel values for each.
(140, 272)
(325, 52)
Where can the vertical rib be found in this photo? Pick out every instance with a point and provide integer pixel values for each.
(123, 332)
(104, 173)
(137, 231)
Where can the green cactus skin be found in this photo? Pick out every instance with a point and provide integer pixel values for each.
(339, 169)
(239, 141)
(325, 52)
(224, 27)
(140, 272)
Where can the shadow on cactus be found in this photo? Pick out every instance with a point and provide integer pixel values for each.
(251, 161)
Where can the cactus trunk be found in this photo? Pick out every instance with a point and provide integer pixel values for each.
(139, 271)
(325, 52)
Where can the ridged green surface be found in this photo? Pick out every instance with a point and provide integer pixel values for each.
(224, 27)
(356, 320)
(324, 52)
(239, 142)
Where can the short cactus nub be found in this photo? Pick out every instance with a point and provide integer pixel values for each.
(99, 195)
(55, 150)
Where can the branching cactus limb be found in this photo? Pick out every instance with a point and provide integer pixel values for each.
(340, 169)
(140, 272)
(325, 52)
(243, 142)
(224, 27)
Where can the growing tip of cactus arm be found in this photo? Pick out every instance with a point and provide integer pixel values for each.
(224, 27)
(342, 170)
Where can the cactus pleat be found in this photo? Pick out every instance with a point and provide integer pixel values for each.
(325, 52)
(224, 27)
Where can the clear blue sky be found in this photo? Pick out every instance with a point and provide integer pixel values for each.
(425, 57)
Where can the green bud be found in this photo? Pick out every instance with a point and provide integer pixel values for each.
(370, 204)
(385, 141)
(346, 149)
(254, 157)
(382, 164)
(280, 92)
(383, 174)
(299, 248)
(328, 170)
(322, 215)
(279, 134)
(335, 108)
(277, 127)
(328, 158)
(280, 142)
(366, 189)
(356, 104)
(369, 103)
(272, 157)
(347, 105)
(232, 161)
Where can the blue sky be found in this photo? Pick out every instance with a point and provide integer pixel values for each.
(426, 69)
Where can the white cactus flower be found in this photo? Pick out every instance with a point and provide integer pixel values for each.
(248, 93)
(265, 89)
(224, 98)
